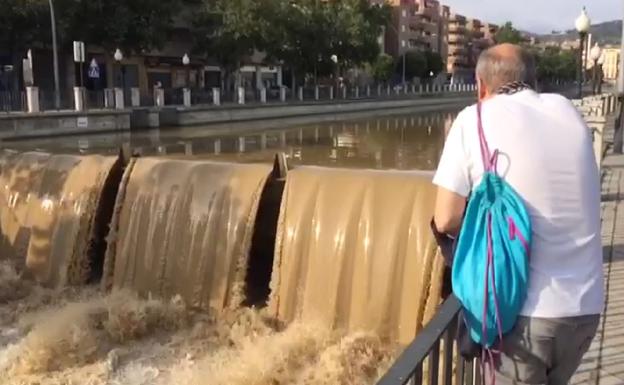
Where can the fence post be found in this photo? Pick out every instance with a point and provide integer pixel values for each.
(241, 95)
(119, 99)
(389, 91)
(216, 96)
(32, 99)
(186, 97)
(159, 97)
(79, 99)
(282, 94)
(331, 93)
(263, 95)
(420, 89)
(405, 89)
(344, 92)
(378, 89)
(357, 92)
(317, 93)
(300, 94)
(135, 97)
(368, 91)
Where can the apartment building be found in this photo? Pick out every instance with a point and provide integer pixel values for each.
(416, 25)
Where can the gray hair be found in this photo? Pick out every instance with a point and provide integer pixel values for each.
(497, 69)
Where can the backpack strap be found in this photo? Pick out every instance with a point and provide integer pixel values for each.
(490, 160)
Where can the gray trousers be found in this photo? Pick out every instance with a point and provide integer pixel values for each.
(545, 351)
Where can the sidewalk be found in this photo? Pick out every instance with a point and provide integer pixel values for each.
(604, 363)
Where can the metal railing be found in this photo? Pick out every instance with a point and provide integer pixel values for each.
(433, 358)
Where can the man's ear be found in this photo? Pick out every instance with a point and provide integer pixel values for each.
(482, 92)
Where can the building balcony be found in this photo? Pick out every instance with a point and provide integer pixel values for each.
(457, 28)
(457, 39)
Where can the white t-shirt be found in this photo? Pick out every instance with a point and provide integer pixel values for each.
(546, 155)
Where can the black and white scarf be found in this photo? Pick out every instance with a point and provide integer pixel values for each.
(513, 88)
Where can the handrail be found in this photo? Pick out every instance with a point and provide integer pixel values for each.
(409, 363)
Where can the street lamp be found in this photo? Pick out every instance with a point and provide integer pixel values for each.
(57, 88)
(596, 54)
(186, 61)
(118, 56)
(582, 24)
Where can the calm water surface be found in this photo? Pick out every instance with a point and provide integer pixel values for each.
(385, 140)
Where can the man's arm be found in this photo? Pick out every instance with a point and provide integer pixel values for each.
(449, 211)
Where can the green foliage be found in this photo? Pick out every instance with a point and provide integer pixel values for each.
(556, 64)
(415, 64)
(383, 68)
(435, 63)
(133, 25)
(227, 30)
(508, 34)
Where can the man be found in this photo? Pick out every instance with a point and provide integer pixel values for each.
(546, 156)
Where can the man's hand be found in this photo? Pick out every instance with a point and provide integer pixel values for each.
(449, 211)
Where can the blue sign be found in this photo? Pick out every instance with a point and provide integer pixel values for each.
(94, 70)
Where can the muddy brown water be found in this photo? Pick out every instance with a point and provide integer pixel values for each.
(343, 257)
(378, 140)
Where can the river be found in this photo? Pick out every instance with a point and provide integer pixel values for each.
(394, 139)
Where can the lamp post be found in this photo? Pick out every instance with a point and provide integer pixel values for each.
(582, 24)
(57, 88)
(596, 54)
(118, 56)
(186, 61)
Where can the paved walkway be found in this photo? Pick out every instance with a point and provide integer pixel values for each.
(604, 363)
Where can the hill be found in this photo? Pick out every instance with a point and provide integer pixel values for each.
(609, 32)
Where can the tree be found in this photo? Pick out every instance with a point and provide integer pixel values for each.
(508, 34)
(556, 64)
(415, 64)
(435, 64)
(383, 68)
(228, 30)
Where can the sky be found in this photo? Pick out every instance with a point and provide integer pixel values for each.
(539, 16)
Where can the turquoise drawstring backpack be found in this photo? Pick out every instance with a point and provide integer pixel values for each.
(491, 261)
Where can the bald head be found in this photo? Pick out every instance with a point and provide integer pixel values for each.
(504, 64)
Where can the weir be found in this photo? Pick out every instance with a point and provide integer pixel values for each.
(48, 213)
(184, 228)
(349, 248)
(354, 251)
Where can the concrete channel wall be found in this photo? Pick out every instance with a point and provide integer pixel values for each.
(44, 124)
(187, 116)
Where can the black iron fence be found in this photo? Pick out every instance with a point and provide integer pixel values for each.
(433, 358)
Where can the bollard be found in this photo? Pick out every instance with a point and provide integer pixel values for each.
(241, 144)
(368, 91)
(344, 92)
(378, 89)
(427, 88)
(79, 99)
(406, 89)
(32, 99)
(263, 95)
(263, 141)
(420, 89)
(282, 94)
(217, 146)
(331, 93)
(109, 98)
(159, 97)
(135, 97)
(216, 96)
(413, 88)
(300, 94)
(389, 90)
(357, 92)
(316, 93)
(241, 95)
(186, 97)
(188, 148)
(119, 99)
(397, 90)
